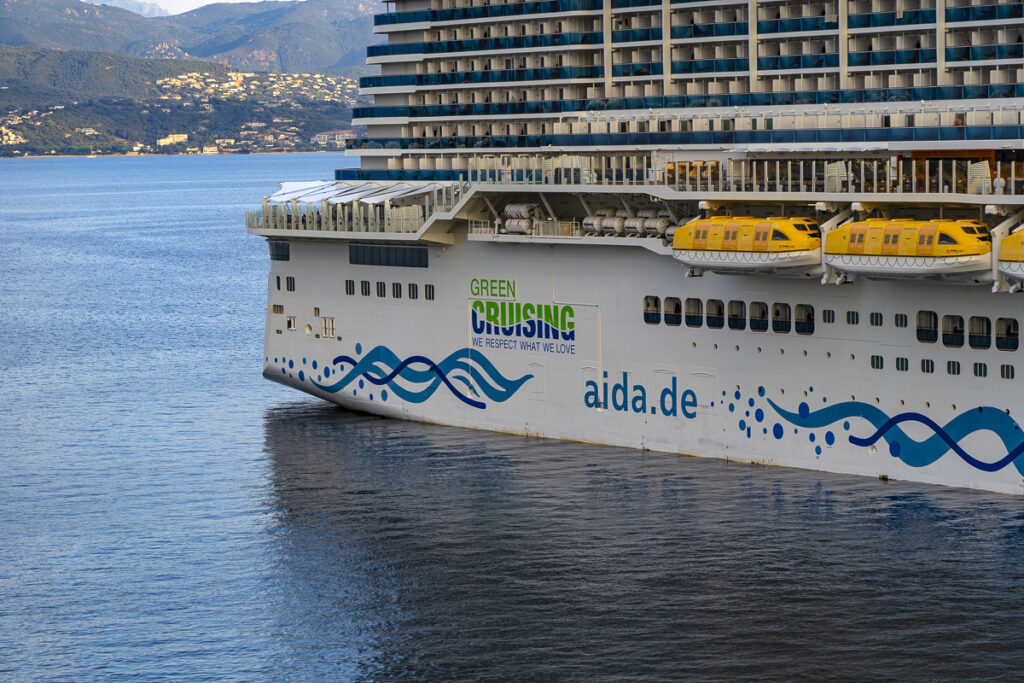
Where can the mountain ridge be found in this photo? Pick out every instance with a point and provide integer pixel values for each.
(289, 36)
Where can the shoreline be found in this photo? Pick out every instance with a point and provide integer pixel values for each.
(219, 154)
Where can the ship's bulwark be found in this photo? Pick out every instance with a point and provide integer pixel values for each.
(567, 351)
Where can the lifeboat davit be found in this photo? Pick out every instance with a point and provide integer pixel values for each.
(748, 245)
(955, 251)
(1011, 256)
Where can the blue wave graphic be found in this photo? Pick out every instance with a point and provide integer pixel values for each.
(920, 453)
(416, 378)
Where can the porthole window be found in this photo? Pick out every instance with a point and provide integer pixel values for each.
(413, 290)
(694, 312)
(877, 362)
(758, 316)
(953, 331)
(428, 292)
(900, 320)
(652, 309)
(852, 318)
(804, 319)
(737, 315)
(828, 316)
(927, 366)
(902, 364)
(673, 311)
(716, 314)
(350, 287)
(980, 370)
(979, 332)
(875, 319)
(382, 290)
(1006, 371)
(781, 318)
(396, 290)
(953, 367)
(364, 288)
(1007, 334)
(927, 327)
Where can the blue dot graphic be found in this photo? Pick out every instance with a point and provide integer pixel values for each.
(747, 413)
(723, 392)
(846, 425)
(353, 392)
(384, 394)
(830, 438)
(712, 404)
(732, 407)
(314, 365)
(759, 415)
(894, 449)
(750, 402)
(817, 450)
(275, 360)
(371, 397)
(743, 425)
(283, 371)
(302, 376)
(811, 437)
(737, 395)
(824, 400)
(361, 384)
(760, 391)
(327, 371)
(810, 389)
(748, 432)
(764, 431)
(291, 364)
(777, 431)
(303, 361)
(804, 410)
(359, 348)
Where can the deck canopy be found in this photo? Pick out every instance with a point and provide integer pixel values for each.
(335, 192)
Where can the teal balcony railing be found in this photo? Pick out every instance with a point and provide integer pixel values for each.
(487, 11)
(985, 12)
(487, 44)
(495, 76)
(882, 19)
(884, 57)
(979, 52)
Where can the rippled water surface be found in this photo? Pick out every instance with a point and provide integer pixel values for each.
(167, 513)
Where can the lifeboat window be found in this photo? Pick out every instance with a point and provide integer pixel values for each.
(396, 290)
(900, 320)
(382, 290)
(946, 239)
(804, 319)
(1006, 371)
(852, 318)
(902, 364)
(952, 367)
(350, 287)
(927, 366)
(875, 319)
(716, 314)
(925, 240)
(652, 310)
(673, 311)
(953, 331)
(981, 370)
(289, 283)
(694, 312)
(364, 288)
(877, 362)
(828, 316)
(758, 316)
(779, 236)
(1007, 334)
(969, 230)
(428, 292)
(980, 335)
(927, 326)
(414, 290)
(781, 318)
(737, 315)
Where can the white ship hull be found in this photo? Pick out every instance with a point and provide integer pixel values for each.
(598, 373)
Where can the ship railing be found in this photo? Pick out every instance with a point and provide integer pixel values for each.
(879, 175)
(406, 215)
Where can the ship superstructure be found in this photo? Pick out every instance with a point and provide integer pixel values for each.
(781, 232)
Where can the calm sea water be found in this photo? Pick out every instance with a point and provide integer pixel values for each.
(167, 513)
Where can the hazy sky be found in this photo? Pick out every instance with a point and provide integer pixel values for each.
(178, 6)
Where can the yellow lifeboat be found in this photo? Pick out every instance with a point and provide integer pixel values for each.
(744, 244)
(939, 249)
(1011, 256)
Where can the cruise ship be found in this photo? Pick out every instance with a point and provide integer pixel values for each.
(784, 232)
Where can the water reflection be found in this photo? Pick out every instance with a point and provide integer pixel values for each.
(410, 549)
